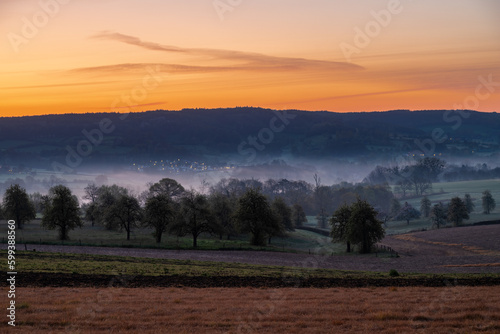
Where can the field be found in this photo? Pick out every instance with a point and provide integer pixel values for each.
(449, 281)
(157, 269)
(297, 241)
(98, 236)
(249, 310)
(443, 192)
(462, 241)
(470, 249)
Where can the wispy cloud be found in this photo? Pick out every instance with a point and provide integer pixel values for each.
(139, 67)
(389, 92)
(61, 85)
(246, 60)
(138, 106)
(350, 96)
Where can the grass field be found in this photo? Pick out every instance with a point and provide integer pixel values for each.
(113, 265)
(297, 241)
(140, 237)
(450, 190)
(90, 264)
(453, 189)
(249, 310)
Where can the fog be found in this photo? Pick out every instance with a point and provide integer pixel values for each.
(329, 172)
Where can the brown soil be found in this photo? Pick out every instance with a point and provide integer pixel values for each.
(475, 246)
(99, 281)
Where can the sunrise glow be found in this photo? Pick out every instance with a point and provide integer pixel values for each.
(99, 56)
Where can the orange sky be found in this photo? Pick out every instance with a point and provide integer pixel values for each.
(76, 56)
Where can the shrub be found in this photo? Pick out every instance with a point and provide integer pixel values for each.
(393, 273)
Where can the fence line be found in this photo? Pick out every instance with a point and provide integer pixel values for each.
(382, 247)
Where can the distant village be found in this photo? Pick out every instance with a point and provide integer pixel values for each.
(177, 166)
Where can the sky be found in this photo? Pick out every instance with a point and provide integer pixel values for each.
(79, 56)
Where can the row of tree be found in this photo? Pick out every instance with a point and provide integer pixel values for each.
(357, 224)
(415, 178)
(166, 207)
(454, 212)
(316, 199)
(60, 209)
(231, 207)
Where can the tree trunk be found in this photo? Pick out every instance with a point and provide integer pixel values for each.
(195, 241)
(348, 247)
(257, 239)
(158, 237)
(18, 221)
(63, 233)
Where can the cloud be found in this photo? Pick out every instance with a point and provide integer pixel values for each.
(247, 60)
(61, 85)
(339, 97)
(141, 67)
(138, 105)
(173, 68)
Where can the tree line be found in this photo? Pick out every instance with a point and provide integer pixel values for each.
(455, 212)
(166, 207)
(415, 178)
(232, 207)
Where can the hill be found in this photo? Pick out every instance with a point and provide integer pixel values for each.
(243, 136)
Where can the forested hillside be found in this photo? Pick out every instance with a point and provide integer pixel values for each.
(245, 135)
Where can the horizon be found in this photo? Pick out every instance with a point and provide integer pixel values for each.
(249, 107)
(321, 55)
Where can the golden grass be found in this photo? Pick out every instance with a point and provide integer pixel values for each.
(250, 310)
